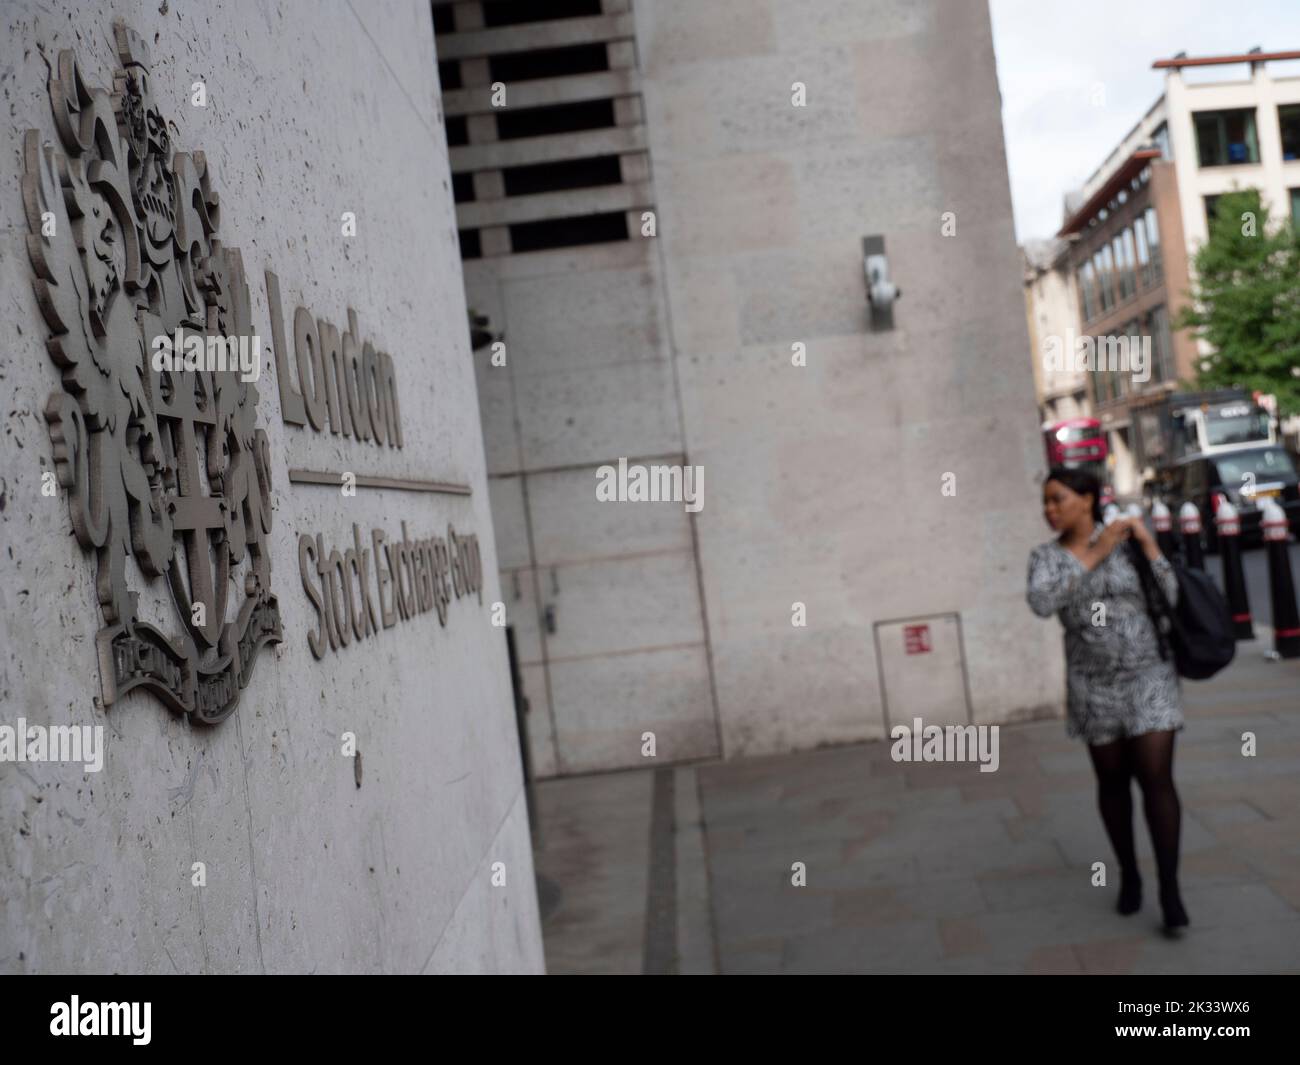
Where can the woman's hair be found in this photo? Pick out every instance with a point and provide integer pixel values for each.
(1081, 482)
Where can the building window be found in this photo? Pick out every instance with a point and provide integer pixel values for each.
(1132, 258)
(471, 244)
(1110, 379)
(1128, 279)
(1153, 242)
(1155, 324)
(1224, 138)
(517, 123)
(1116, 382)
(1100, 385)
(1143, 256)
(1162, 347)
(1295, 207)
(1288, 119)
(560, 62)
(1100, 263)
(1117, 253)
(517, 14)
(1131, 333)
(1138, 347)
(1117, 250)
(1108, 263)
(1087, 291)
(1160, 138)
(1211, 209)
(568, 232)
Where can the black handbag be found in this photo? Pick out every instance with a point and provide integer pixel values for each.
(1198, 632)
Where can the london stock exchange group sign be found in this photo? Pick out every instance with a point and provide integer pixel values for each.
(167, 466)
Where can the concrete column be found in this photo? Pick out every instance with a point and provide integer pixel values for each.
(482, 128)
(494, 240)
(634, 168)
(628, 111)
(622, 55)
(475, 72)
(489, 185)
(467, 15)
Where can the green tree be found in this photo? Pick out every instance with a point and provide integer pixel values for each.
(1246, 302)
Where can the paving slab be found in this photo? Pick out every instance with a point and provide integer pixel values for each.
(934, 868)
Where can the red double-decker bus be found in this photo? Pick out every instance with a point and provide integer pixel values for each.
(1076, 442)
(1080, 443)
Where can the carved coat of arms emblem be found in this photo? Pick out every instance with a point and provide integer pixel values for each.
(166, 466)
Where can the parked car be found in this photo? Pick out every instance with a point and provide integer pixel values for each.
(1242, 478)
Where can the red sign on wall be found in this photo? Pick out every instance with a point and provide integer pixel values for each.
(916, 639)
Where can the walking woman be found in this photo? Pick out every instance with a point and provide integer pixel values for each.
(1123, 700)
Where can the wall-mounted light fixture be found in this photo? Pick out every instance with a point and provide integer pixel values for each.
(881, 292)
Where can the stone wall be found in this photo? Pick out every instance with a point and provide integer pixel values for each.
(312, 110)
(827, 480)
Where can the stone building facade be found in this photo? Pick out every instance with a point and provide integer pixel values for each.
(271, 600)
(663, 206)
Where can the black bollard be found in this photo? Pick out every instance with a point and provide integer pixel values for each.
(1164, 526)
(1234, 580)
(1189, 519)
(1286, 618)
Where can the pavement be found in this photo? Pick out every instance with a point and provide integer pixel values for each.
(932, 867)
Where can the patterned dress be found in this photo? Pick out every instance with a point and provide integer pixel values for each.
(1116, 683)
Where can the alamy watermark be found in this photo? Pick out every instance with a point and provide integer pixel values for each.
(102, 1018)
(651, 484)
(1072, 353)
(193, 351)
(53, 743)
(946, 743)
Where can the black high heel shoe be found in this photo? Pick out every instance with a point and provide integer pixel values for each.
(1130, 895)
(1176, 919)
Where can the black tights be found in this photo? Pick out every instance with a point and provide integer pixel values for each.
(1150, 758)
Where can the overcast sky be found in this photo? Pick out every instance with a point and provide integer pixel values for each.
(1054, 54)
